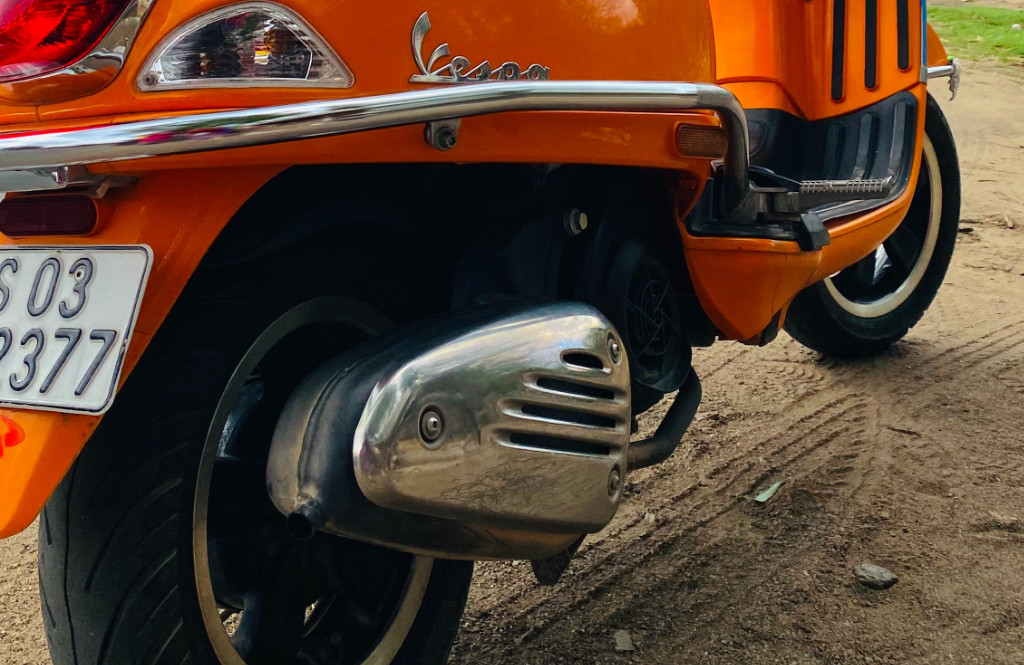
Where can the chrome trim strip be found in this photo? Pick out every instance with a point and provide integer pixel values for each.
(42, 180)
(57, 178)
(108, 56)
(293, 122)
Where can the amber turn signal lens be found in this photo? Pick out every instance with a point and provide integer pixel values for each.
(701, 141)
(48, 215)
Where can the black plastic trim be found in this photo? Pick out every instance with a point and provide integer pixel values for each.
(871, 44)
(838, 47)
(875, 142)
(868, 143)
(903, 33)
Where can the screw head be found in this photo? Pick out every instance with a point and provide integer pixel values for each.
(614, 482)
(615, 351)
(431, 426)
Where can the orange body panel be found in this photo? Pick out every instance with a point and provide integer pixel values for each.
(578, 40)
(178, 214)
(771, 53)
(788, 46)
(743, 283)
(593, 39)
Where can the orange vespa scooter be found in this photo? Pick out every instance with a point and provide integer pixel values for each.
(306, 306)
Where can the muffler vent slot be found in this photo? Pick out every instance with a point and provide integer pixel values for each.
(569, 416)
(572, 388)
(557, 444)
(579, 359)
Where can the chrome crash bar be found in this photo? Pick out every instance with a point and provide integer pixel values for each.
(46, 156)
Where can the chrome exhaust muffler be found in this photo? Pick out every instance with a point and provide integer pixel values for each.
(498, 433)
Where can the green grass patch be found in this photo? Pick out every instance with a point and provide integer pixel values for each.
(979, 32)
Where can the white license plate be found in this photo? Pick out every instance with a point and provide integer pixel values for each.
(66, 317)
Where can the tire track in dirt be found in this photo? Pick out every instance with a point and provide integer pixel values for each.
(633, 542)
(622, 558)
(979, 350)
(833, 446)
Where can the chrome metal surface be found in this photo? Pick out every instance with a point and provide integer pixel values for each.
(538, 416)
(35, 181)
(431, 426)
(102, 63)
(575, 222)
(940, 71)
(816, 193)
(45, 180)
(459, 69)
(615, 351)
(614, 482)
(293, 122)
(953, 70)
(149, 75)
(534, 418)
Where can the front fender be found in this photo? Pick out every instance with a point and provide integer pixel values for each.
(178, 214)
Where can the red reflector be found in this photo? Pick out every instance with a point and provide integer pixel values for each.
(41, 36)
(11, 434)
(50, 215)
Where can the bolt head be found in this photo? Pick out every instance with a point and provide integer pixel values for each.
(614, 482)
(431, 426)
(575, 221)
(615, 351)
(446, 138)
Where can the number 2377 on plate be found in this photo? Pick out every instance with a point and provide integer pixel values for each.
(66, 317)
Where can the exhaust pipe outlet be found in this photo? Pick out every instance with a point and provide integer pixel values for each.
(497, 433)
(305, 521)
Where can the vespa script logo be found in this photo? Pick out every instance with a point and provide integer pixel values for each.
(459, 69)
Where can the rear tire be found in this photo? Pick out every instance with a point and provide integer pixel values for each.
(865, 308)
(121, 568)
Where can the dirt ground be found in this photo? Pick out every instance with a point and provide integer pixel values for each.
(913, 461)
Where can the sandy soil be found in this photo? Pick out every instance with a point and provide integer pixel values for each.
(913, 461)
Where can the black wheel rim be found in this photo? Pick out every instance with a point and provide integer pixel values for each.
(276, 600)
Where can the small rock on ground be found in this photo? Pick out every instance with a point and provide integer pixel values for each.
(623, 641)
(874, 577)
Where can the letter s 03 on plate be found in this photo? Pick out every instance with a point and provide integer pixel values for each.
(66, 317)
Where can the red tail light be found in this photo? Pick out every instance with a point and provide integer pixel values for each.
(48, 215)
(41, 36)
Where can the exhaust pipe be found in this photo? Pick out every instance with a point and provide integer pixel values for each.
(497, 433)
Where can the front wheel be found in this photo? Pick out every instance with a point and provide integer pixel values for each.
(864, 308)
(161, 547)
